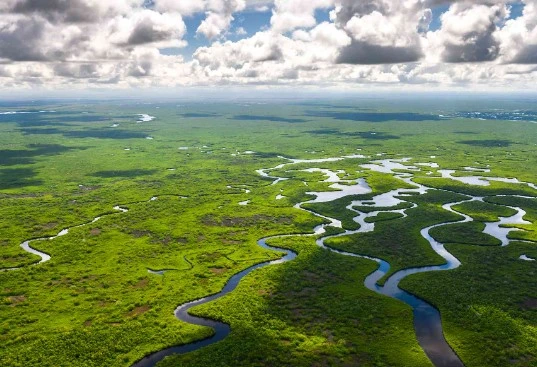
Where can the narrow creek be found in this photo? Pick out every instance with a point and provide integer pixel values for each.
(427, 319)
(221, 330)
(118, 209)
(46, 257)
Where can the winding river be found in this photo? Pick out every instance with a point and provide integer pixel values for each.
(221, 330)
(46, 257)
(427, 320)
(118, 209)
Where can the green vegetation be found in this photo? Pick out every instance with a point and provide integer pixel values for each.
(495, 188)
(384, 182)
(382, 216)
(95, 303)
(293, 318)
(336, 209)
(370, 209)
(484, 212)
(378, 182)
(529, 205)
(468, 233)
(488, 304)
(399, 241)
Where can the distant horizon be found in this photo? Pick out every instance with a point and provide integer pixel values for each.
(83, 48)
(272, 226)
(205, 95)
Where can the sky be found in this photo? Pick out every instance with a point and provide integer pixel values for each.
(71, 46)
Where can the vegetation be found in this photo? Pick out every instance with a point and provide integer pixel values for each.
(469, 233)
(482, 211)
(488, 304)
(95, 303)
(399, 242)
(382, 216)
(293, 320)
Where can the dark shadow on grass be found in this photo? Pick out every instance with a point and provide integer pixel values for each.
(267, 118)
(324, 132)
(26, 156)
(23, 116)
(15, 178)
(103, 133)
(374, 116)
(131, 173)
(36, 118)
(466, 132)
(13, 157)
(198, 115)
(40, 123)
(267, 155)
(495, 143)
(334, 106)
(41, 131)
(77, 118)
(373, 135)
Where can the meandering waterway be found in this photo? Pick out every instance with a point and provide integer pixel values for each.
(427, 319)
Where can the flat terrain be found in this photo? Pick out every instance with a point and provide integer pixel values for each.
(150, 212)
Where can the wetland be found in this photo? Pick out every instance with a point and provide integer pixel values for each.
(360, 232)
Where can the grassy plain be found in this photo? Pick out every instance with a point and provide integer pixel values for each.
(94, 303)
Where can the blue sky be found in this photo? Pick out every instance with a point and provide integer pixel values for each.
(314, 44)
(253, 21)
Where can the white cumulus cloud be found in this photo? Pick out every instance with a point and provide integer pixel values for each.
(118, 44)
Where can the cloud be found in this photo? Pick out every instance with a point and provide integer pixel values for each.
(152, 27)
(59, 10)
(79, 71)
(115, 44)
(86, 41)
(262, 8)
(20, 39)
(262, 47)
(360, 52)
(519, 37)
(527, 55)
(383, 31)
(69, 11)
(141, 65)
(183, 7)
(291, 14)
(468, 32)
(29, 31)
(219, 16)
(218, 13)
(240, 31)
